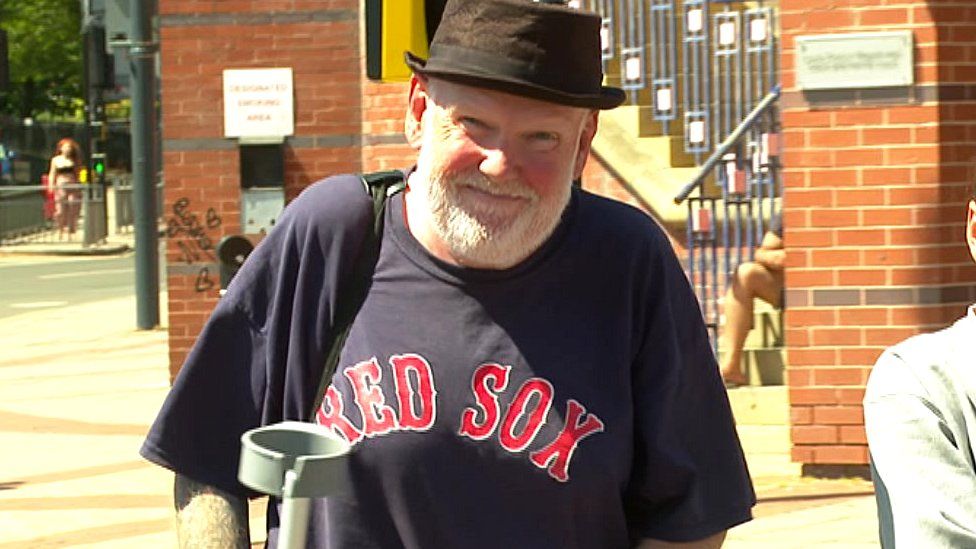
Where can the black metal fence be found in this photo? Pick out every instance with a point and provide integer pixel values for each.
(124, 212)
(27, 147)
(22, 213)
(32, 214)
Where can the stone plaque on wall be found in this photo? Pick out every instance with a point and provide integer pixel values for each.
(856, 60)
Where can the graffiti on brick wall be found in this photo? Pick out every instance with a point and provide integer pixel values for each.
(190, 231)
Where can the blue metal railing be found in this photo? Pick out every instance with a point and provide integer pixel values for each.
(664, 65)
(745, 167)
(707, 69)
(696, 99)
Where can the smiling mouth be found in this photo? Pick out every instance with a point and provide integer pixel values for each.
(481, 194)
(493, 210)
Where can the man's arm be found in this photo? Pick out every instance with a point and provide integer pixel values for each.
(209, 517)
(770, 253)
(919, 451)
(711, 542)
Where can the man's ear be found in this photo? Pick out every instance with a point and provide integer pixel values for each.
(585, 142)
(416, 106)
(971, 228)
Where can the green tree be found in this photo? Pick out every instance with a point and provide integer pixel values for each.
(44, 38)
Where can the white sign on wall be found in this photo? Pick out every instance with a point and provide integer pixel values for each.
(856, 60)
(258, 103)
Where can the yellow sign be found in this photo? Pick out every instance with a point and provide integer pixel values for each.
(393, 27)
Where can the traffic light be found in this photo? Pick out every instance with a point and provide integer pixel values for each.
(99, 64)
(98, 163)
(108, 71)
(396, 26)
(98, 167)
(4, 62)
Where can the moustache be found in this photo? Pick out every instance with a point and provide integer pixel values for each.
(477, 181)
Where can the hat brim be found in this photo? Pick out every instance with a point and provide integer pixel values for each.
(608, 97)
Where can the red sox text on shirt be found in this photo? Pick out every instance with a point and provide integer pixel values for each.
(414, 408)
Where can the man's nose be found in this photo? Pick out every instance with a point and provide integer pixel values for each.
(499, 162)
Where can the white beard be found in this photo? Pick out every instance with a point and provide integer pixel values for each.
(481, 235)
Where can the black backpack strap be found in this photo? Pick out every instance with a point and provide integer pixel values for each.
(380, 186)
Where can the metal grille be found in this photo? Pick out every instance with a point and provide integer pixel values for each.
(663, 56)
(634, 44)
(696, 97)
(723, 92)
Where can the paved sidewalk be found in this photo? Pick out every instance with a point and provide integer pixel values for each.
(48, 243)
(79, 386)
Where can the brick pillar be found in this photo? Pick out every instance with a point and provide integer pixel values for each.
(320, 42)
(873, 207)
(384, 111)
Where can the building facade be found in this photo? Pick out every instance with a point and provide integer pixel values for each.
(873, 180)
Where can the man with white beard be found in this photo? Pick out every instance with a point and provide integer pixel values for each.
(529, 367)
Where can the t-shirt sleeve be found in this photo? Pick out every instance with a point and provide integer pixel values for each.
(217, 396)
(689, 478)
(924, 482)
(258, 359)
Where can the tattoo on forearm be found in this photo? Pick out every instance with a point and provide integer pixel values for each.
(207, 517)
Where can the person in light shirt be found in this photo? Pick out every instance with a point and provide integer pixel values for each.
(920, 418)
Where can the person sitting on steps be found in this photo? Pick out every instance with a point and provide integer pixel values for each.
(762, 278)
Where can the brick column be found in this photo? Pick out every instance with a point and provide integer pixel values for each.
(875, 182)
(384, 111)
(320, 42)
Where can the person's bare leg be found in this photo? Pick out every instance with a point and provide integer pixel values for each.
(73, 221)
(751, 280)
(59, 214)
(738, 322)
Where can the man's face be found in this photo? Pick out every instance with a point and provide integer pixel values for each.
(493, 173)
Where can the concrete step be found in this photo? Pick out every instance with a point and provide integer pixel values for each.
(762, 421)
(763, 356)
(760, 405)
(767, 327)
(765, 439)
(764, 366)
(644, 163)
(772, 465)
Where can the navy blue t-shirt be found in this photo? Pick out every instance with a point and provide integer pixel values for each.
(571, 401)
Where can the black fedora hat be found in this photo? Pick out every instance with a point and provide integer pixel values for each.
(542, 51)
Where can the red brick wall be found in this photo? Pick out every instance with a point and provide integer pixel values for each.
(384, 110)
(319, 40)
(600, 179)
(874, 186)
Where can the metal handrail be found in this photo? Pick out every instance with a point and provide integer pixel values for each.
(728, 143)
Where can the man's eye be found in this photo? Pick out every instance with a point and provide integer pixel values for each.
(471, 123)
(542, 141)
(544, 136)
